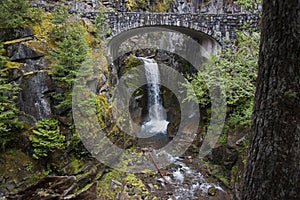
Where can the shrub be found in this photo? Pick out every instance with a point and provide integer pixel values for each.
(9, 123)
(17, 13)
(46, 138)
(236, 67)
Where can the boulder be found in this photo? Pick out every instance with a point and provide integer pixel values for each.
(12, 34)
(26, 50)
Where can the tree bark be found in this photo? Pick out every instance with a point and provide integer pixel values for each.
(273, 167)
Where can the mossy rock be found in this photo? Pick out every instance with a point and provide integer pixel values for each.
(132, 62)
(212, 191)
(18, 167)
(108, 187)
(43, 28)
(10, 42)
(117, 183)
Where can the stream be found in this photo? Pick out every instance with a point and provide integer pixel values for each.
(185, 182)
(181, 179)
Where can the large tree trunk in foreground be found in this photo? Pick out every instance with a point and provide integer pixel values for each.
(273, 168)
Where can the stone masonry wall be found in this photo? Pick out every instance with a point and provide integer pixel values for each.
(221, 27)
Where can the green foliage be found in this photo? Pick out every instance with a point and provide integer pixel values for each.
(9, 124)
(70, 51)
(101, 26)
(223, 139)
(146, 5)
(249, 4)
(236, 67)
(103, 110)
(46, 138)
(132, 62)
(17, 13)
(241, 117)
(134, 5)
(162, 6)
(106, 191)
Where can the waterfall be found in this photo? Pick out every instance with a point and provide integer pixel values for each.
(157, 115)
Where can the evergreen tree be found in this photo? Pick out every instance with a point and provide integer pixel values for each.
(274, 154)
(9, 123)
(69, 53)
(16, 13)
(46, 138)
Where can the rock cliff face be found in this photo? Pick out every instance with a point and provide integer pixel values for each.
(30, 71)
(75, 6)
(36, 85)
(175, 6)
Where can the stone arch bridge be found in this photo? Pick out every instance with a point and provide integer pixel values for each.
(219, 27)
(209, 30)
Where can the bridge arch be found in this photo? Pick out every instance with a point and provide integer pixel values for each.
(123, 39)
(216, 29)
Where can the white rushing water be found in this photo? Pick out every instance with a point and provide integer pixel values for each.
(187, 183)
(157, 115)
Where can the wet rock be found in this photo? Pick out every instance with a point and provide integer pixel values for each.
(34, 98)
(36, 84)
(51, 187)
(26, 50)
(122, 196)
(212, 191)
(88, 194)
(136, 109)
(56, 187)
(226, 156)
(241, 141)
(12, 34)
(85, 179)
(172, 130)
(151, 186)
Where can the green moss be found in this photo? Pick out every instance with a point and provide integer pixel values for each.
(223, 139)
(18, 166)
(149, 172)
(37, 46)
(43, 28)
(137, 184)
(109, 189)
(17, 41)
(132, 62)
(222, 179)
(13, 65)
(106, 187)
(14, 161)
(76, 165)
(34, 72)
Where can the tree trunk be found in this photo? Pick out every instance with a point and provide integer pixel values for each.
(273, 167)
